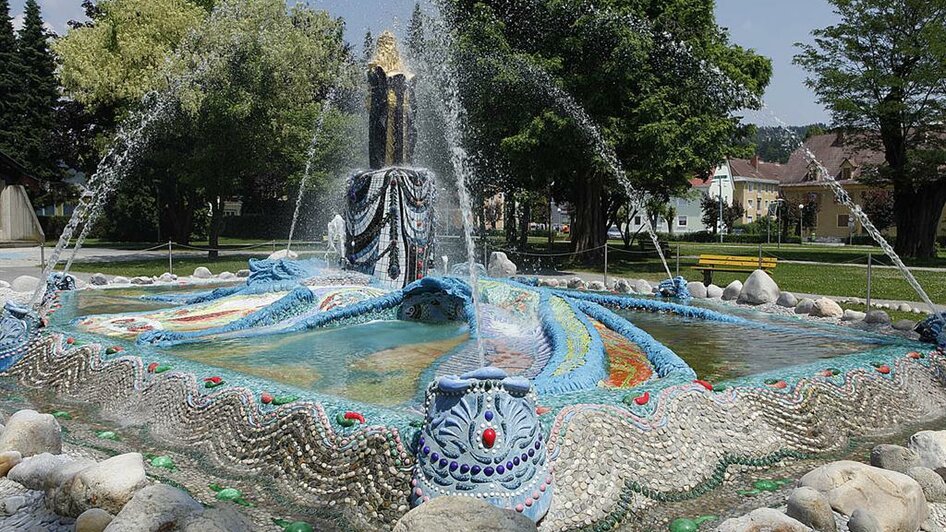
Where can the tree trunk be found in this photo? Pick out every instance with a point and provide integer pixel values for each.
(177, 216)
(918, 214)
(525, 218)
(588, 231)
(509, 218)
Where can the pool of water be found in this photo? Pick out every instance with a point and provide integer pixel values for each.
(723, 351)
(380, 363)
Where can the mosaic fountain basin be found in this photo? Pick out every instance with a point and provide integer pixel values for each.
(383, 365)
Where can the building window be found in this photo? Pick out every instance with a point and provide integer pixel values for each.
(637, 220)
(844, 220)
(750, 204)
(681, 221)
(749, 218)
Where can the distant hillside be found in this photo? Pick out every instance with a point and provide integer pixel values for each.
(774, 144)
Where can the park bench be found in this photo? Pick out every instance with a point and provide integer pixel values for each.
(724, 263)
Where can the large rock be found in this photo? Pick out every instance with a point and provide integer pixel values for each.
(787, 300)
(30, 432)
(714, 292)
(576, 283)
(894, 499)
(243, 273)
(119, 279)
(877, 317)
(862, 520)
(202, 272)
(227, 276)
(904, 325)
(811, 508)
(98, 279)
(500, 265)
(548, 283)
(4, 284)
(697, 289)
(597, 286)
(732, 291)
(762, 519)
(904, 307)
(622, 286)
(9, 460)
(826, 308)
(167, 277)
(933, 485)
(142, 280)
(93, 520)
(284, 254)
(930, 447)
(35, 471)
(108, 485)
(853, 315)
(893, 457)
(759, 289)
(805, 306)
(222, 518)
(445, 513)
(154, 508)
(25, 283)
(643, 286)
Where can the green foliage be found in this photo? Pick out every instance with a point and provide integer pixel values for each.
(731, 213)
(123, 54)
(665, 114)
(40, 96)
(881, 72)
(11, 73)
(878, 205)
(775, 145)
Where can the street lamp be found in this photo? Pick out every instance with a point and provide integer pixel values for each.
(801, 216)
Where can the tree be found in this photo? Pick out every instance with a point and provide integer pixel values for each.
(878, 205)
(709, 206)
(732, 214)
(368, 47)
(415, 32)
(41, 96)
(881, 71)
(11, 93)
(665, 124)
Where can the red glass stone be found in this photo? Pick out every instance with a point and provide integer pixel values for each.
(489, 438)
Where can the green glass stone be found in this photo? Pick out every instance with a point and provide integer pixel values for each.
(229, 494)
(765, 485)
(162, 461)
(284, 399)
(162, 368)
(107, 435)
(684, 525)
(705, 518)
(62, 414)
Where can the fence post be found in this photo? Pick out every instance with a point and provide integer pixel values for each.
(870, 261)
(760, 256)
(170, 258)
(605, 264)
(678, 259)
(42, 255)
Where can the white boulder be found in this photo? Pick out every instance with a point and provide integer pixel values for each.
(142, 280)
(500, 266)
(714, 292)
(732, 291)
(697, 289)
(444, 513)
(25, 283)
(284, 254)
(154, 508)
(853, 315)
(30, 433)
(119, 279)
(597, 286)
(227, 276)
(762, 519)
(787, 300)
(643, 286)
(202, 272)
(826, 308)
(894, 499)
(167, 277)
(243, 274)
(930, 446)
(759, 289)
(622, 286)
(98, 279)
(93, 520)
(108, 485)
(576, 283)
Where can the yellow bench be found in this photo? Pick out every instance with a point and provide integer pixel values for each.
(724, 263)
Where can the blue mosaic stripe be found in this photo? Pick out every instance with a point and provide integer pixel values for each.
(594, 366)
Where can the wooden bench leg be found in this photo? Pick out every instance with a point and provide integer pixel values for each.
(707, 277)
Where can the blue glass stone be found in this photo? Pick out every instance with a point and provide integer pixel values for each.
(421, 441)
(426, 450)
(531, 452)
(435, 457)
(515, 460)
(538, 443)
(488, 471)
(454, 466)
(475, 470)
(464, 469)
(500, 469)
(525, 456)
(488, 415)
(509, 466)
(443, 462)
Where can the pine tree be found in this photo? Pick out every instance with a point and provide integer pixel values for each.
(41, 95)
(415, 32)
(11, 93)
(369, 45)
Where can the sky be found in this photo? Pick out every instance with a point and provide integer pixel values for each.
(771, 27)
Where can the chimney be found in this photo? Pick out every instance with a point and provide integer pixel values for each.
(755, 161)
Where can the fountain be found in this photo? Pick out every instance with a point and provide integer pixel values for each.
(396, 386)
